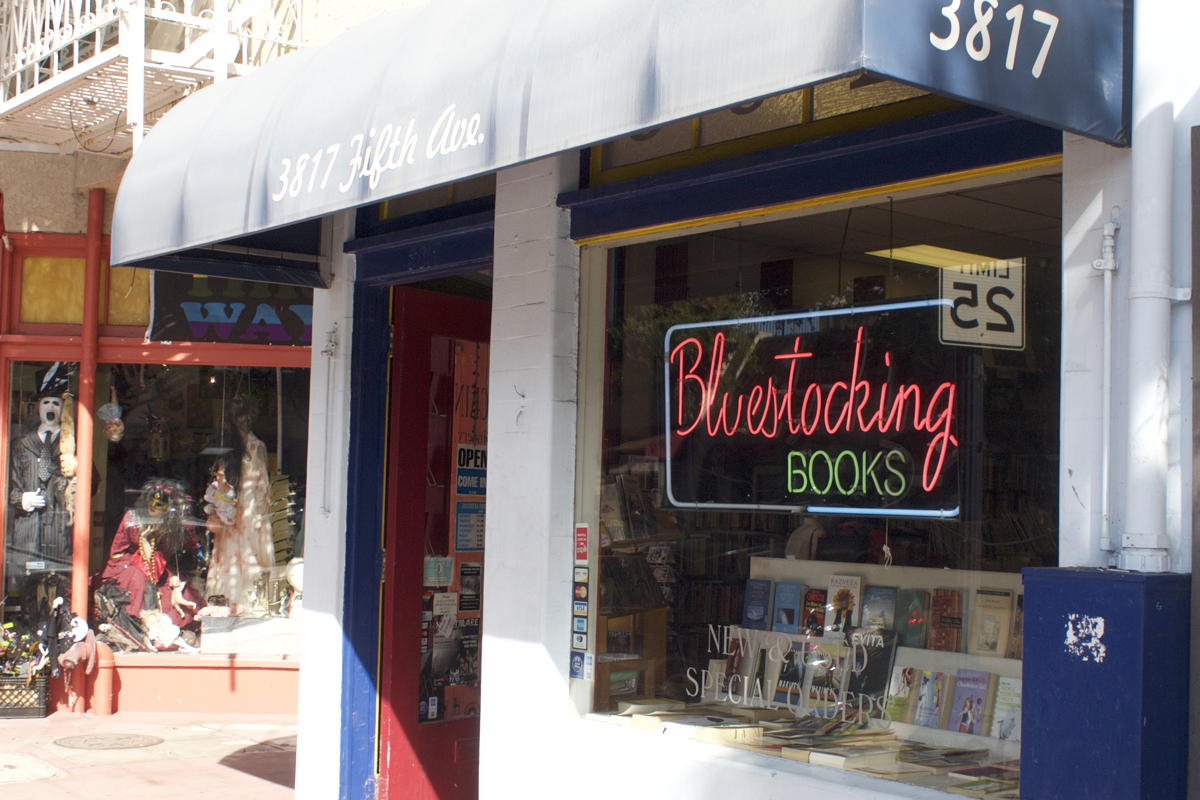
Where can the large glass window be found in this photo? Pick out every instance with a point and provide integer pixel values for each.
(829, 444)
(197, 496)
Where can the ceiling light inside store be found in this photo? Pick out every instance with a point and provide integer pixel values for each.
(928, 255)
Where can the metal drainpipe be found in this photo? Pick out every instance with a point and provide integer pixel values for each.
(1107, 264)
(84, 425)
(1145, 545)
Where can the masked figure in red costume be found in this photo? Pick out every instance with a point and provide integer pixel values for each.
(136, 559)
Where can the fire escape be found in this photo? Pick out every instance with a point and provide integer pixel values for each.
(95, 75)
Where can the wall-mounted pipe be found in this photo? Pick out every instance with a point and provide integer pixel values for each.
(1107, 264)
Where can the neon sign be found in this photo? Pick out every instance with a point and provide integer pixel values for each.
(849, 410)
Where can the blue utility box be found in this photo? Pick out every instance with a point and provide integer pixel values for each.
(1104, 710)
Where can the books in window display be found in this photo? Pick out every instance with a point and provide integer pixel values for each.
(991, 622)
(788, 606)
(627, 585)
(639, 512)
(859, 754)
(942, 760)
(612, 515)
(716, 728)
(946, 620)
(973, 692)
(825, 660)
(843, 601)
(893, 771)
(647, 705)
(932, 699)
(1002, 770)
(847, 738)
(879, 607)
(1016, 639)
(756, 608)
(912, 617)
(985, 788)
(790, 685)
(873, 655)
(1006, 710)
(901, 701)
(814, 611)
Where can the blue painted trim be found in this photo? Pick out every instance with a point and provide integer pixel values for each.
(446, 247)
(367, 223)
(247, 268)
(952, 141)
(364, 525)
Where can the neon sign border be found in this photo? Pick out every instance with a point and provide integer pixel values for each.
(948, 513)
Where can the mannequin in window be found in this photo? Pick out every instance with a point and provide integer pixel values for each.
(238, 512)
(38, 492)
(138, 558)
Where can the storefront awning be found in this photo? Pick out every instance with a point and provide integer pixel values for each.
(438, 92)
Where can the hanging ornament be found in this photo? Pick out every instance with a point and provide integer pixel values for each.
(110, 414)
(159, 439)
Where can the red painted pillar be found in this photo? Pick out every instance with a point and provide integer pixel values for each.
(84, 421)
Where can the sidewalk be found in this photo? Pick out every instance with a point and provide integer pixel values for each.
(227, 756)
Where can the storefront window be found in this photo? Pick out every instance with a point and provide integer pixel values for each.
(829, 444)
(197, 498)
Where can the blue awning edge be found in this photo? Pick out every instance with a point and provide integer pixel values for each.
(430, 94)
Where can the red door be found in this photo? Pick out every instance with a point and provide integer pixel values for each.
(436, 487)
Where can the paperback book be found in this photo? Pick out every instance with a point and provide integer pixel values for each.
(991, 622)
(788, 606)
(879, 607)
(912, 611)
(1006, 710)
(789, 687)
(972, 696)
(945, 620)
(874, 653)
(1016, 640)
(902, 695)
(814, 611)
(756, 610)
(843, 601)
(932, 690)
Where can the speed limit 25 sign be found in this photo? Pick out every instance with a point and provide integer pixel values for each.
(985, 304)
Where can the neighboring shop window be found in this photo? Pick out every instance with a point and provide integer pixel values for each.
(197, 499)
(823, 466)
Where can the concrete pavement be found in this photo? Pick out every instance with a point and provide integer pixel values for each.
(227, 756)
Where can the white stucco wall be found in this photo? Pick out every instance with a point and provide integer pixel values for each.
(1096, 180)
(531, 455)
(318, 755)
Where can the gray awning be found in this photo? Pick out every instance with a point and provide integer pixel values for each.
(439, 92)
